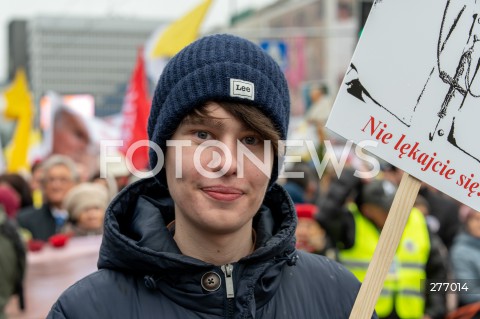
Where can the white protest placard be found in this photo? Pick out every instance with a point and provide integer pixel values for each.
(413, 87)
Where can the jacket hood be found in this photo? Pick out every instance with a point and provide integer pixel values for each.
(136, 238)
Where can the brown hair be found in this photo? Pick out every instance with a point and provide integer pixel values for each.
(251, 116)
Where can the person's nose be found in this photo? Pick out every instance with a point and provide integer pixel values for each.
(223, 159)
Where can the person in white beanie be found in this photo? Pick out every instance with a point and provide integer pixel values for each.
(86, 204)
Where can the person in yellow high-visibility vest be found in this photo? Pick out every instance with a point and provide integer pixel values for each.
(356, 229)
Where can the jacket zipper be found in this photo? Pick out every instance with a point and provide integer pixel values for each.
(228, 272)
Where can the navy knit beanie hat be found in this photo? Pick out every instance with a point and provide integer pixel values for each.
(215, 68)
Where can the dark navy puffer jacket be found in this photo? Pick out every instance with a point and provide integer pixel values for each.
(142, 273)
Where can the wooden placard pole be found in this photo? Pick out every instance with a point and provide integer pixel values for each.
(387, 245)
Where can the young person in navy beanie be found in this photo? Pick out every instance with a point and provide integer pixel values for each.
(210, 234)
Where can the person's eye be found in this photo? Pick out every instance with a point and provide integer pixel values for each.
(251, 140)
(202, 135)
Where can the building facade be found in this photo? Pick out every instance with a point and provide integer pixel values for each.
(312, 39)
(85, 56)
(319, 37)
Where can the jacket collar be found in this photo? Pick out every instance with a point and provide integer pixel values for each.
(136, 237)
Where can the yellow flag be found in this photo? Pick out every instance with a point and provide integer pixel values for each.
(181, 33)
(19, 107)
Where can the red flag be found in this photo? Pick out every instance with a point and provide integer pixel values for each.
(136, 108)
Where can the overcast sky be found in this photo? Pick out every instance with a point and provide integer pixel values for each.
(162, 10)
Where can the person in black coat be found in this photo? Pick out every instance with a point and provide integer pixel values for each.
(12, 263)
(211, 235)
(60, 175)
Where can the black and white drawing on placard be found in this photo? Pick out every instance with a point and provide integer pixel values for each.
(434, 83)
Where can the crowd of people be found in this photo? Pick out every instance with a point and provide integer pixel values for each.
(47, 207)
(440, 243)
(341, 220)
(164, 234)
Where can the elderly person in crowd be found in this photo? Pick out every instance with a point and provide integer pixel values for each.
(86, 204)
(59, 176)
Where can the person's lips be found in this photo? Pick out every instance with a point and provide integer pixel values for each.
(223, 193)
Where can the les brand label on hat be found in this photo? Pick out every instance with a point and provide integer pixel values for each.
(243, 89)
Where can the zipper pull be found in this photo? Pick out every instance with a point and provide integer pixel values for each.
(228, 271)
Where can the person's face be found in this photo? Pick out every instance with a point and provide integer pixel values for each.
(57, 182)
(316, 94)
(216, 205)
(473, 224)
(36, 180)
(91, 218)
(310, 236)
(71, 137)
(375, 213)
